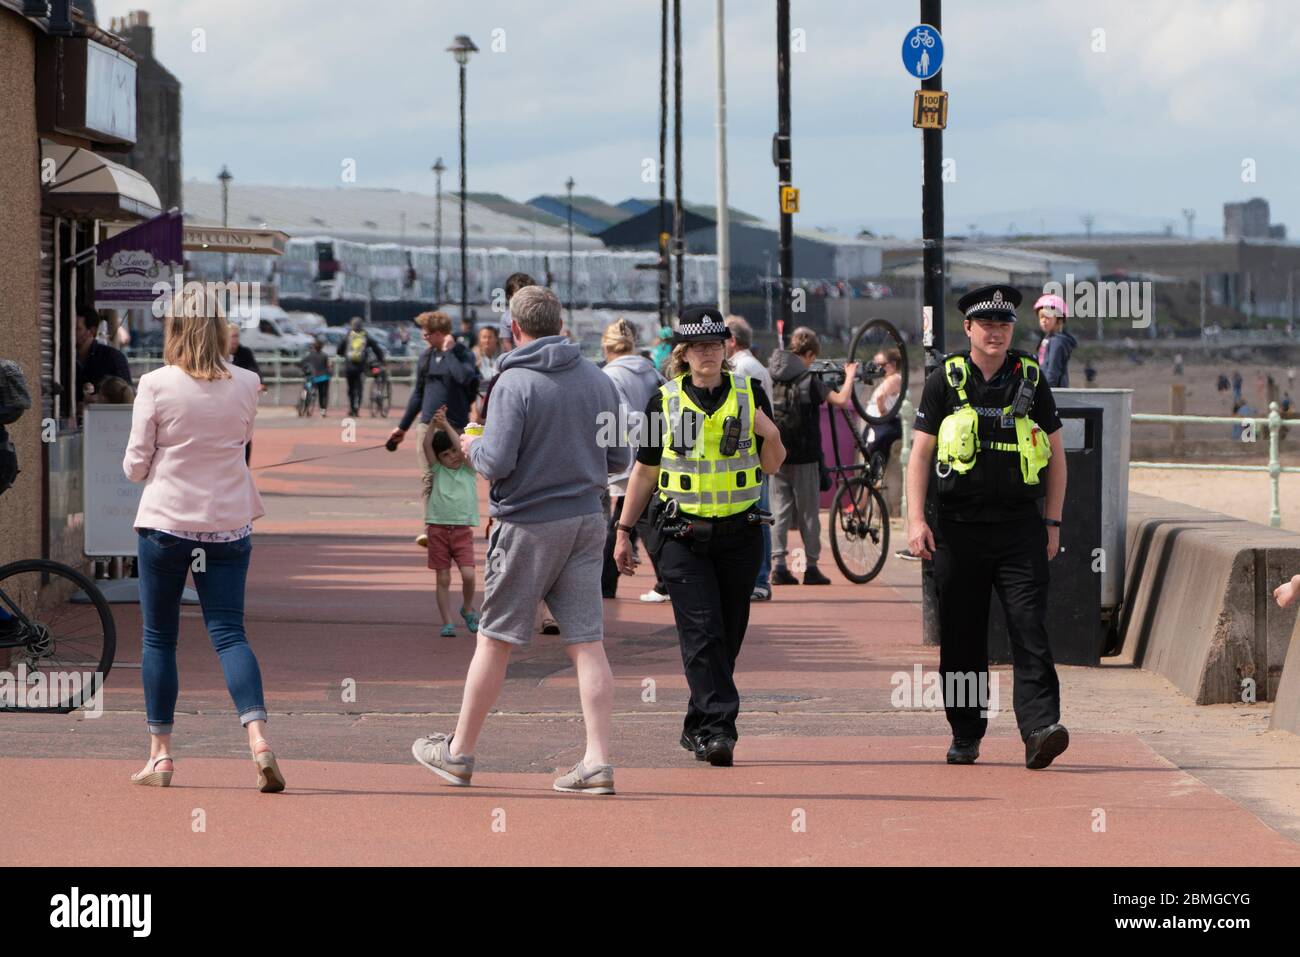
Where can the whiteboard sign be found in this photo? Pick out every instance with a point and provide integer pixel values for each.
(111, 500)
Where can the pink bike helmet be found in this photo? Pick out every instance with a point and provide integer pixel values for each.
(1052, 301)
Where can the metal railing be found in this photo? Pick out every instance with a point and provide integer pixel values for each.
(280, 370)
(1273, 422)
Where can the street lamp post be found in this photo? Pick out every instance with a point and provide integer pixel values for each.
(781, 155)
(461, 48)
(569, 186)
(438, 170)
(225, 178)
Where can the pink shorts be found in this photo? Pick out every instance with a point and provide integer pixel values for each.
(448, 544)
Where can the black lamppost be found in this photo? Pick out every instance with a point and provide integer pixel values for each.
(225, 178)
(569, 186)
(438, 170)
(461, 48)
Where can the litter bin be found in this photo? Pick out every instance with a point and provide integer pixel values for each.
(1075, 628)
(1116, 427)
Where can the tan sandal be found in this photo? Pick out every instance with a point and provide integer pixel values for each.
(269, 778)
(151, 776)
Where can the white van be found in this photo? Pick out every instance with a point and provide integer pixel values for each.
(268, 329)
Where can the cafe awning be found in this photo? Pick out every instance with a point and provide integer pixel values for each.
(78, 182)
(221, 239)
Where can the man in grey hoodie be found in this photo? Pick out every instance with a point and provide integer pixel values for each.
(542, 452)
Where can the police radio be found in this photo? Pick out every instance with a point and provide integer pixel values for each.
(730, 436)
(1025, 391)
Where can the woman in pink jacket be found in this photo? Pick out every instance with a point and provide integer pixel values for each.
(191, 421)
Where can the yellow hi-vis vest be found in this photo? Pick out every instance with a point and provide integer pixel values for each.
(958, 442)
(693, 471)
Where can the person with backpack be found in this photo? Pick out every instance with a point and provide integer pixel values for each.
(797, 399)
(354, 348)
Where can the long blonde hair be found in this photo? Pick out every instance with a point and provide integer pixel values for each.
(677, 364)
(195, 339)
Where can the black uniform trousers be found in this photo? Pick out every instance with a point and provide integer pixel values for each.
(710, 595)
(356, 376)
(971, 561)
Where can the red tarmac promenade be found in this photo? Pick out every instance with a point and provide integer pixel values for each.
(342, 617)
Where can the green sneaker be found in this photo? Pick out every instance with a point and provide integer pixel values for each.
(448, 630)
(471, 619)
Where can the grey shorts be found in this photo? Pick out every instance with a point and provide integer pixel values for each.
(557, 562)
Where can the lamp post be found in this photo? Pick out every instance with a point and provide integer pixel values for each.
(569, 186)
(781, 156)
(438, 169)
(225, 178)
(461, 48)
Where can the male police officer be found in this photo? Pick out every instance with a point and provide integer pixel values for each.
(987, 426)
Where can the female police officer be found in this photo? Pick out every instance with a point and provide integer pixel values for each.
(988, 426)
(710, 437)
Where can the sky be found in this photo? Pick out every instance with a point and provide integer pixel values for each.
(1126, 110)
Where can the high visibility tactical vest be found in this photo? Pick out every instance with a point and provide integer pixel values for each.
(693, 471)
(993, 453)
(356, 346)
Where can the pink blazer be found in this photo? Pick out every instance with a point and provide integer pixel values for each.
(187, 446)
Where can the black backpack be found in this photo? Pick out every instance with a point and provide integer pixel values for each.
(795, 414)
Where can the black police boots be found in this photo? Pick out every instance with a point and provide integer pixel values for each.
(1045, 745)
(718, 751)
(692, 743)
(964, 750)
(812, 576)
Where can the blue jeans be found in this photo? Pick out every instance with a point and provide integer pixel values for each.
(764, 579)
(164, 562)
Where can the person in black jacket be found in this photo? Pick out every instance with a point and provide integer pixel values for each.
(96, 361)
(243, 357)
(355, 348)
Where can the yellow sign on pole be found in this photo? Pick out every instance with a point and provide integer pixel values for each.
(789, 199)
(930, 109)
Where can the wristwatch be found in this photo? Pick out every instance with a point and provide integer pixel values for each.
(625, 528)
(1052, 522)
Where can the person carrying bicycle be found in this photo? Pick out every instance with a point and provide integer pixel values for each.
(703, 463)
(316, 374)
(798, 396)
(988, 427)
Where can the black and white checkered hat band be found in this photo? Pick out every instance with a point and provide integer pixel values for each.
(692, 329)
(992, 305)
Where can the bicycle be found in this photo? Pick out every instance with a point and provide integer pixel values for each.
(63, 631)
(859, 516)
(381, 391)
(307, 400)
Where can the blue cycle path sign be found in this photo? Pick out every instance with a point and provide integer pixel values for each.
(923, 51)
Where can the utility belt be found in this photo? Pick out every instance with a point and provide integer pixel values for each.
(671, 522)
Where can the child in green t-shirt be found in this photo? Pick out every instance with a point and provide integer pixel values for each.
(451, 514)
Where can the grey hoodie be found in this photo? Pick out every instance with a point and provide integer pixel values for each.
(636, 379)
(539, 447)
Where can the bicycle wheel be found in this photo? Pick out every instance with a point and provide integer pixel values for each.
(386, 399)
(859, 530)
(304, 404)
(67, 641)
(873, 338)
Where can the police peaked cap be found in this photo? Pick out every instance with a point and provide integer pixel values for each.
(701, 324)
(997, 302)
